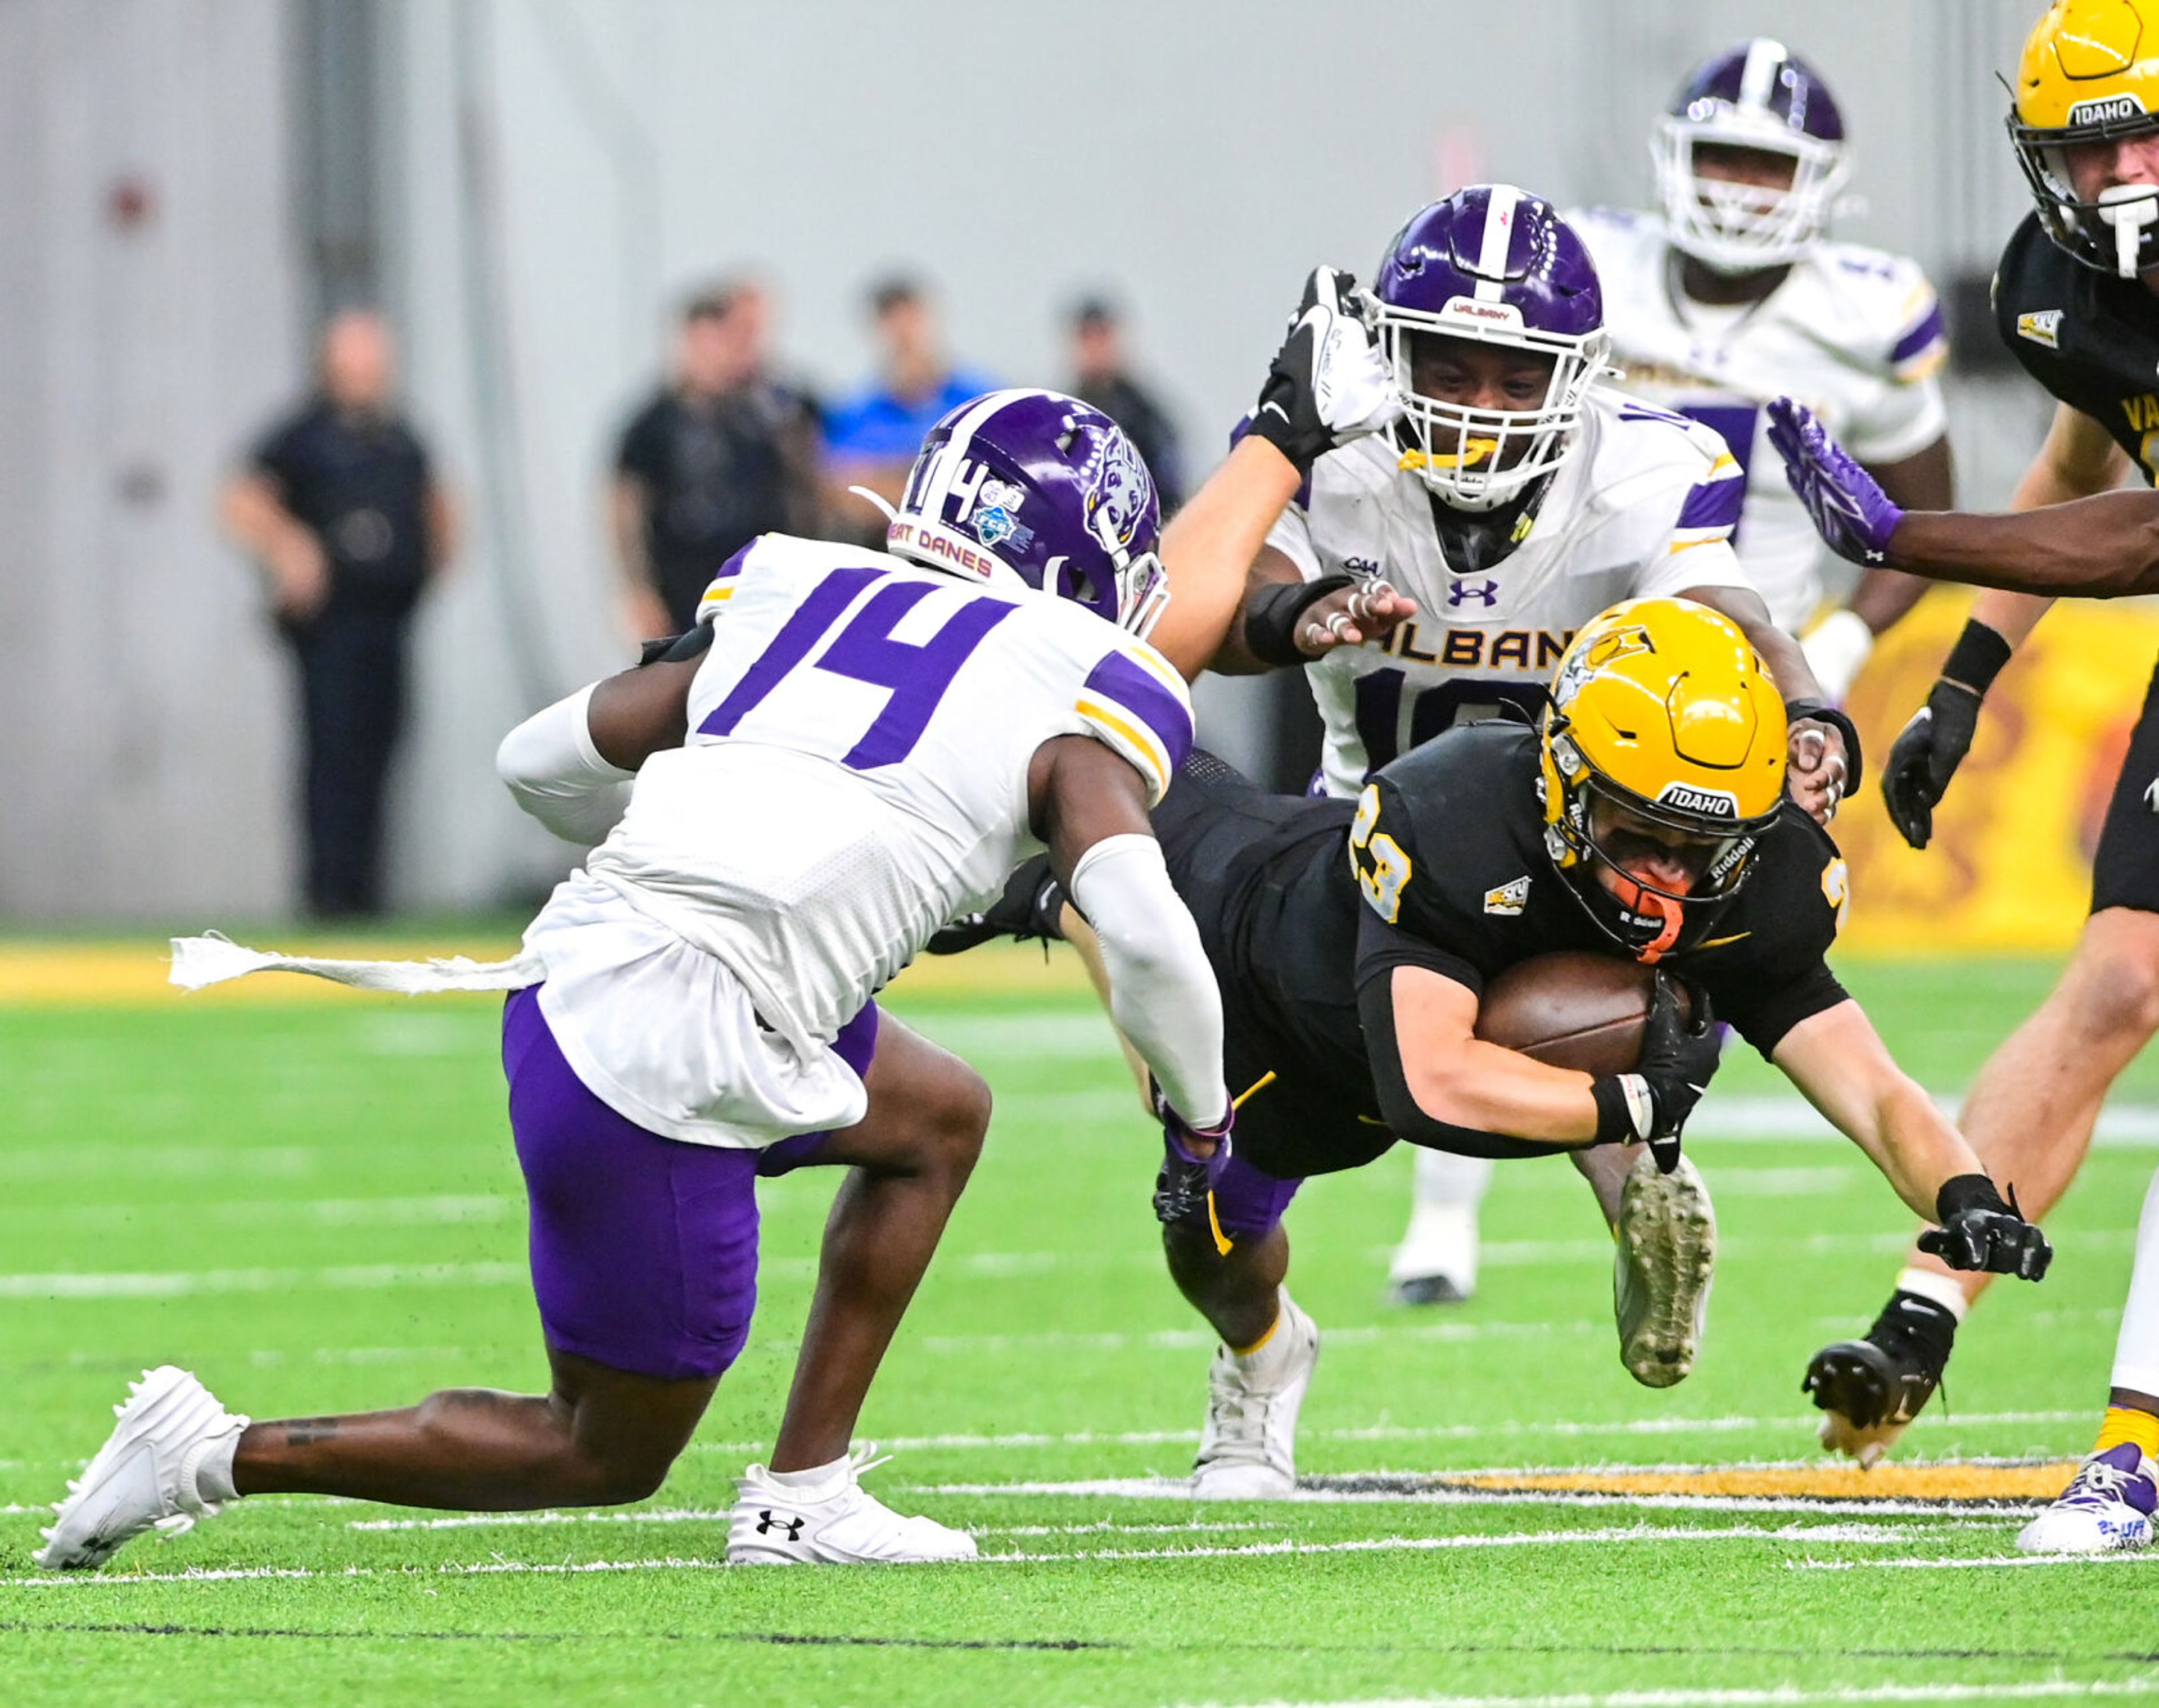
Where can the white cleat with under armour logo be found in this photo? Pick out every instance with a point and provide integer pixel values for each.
(144, 1478)
(833, 1522)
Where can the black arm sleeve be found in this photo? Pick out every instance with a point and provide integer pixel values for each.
(1405, 1115)
(678, 649)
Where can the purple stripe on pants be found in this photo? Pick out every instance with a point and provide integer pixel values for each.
(1249, 1204)
(644, 1248)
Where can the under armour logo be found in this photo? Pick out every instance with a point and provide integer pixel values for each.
(2151, 795)
(1461, 592)
(767, 1523)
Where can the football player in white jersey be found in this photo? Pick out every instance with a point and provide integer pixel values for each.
(849, 748)
(1735, 295)
(1514, 498)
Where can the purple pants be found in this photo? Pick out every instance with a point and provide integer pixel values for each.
(644, 1248)
(1249, 1204)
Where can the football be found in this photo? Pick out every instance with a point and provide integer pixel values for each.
(1571, 1010)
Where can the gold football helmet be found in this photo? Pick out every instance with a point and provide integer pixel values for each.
(2090, 73)
(1664, 747)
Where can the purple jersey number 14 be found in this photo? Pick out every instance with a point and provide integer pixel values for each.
(916, 675)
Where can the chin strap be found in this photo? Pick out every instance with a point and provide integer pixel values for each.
(878, 499)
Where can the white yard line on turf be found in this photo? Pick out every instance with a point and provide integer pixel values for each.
(1779, 1696)
(1178, 1489)
(2120, 1557)
(687, 1516)
(1807, 1534)
(1023, 1441)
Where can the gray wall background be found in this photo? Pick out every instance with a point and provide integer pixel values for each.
(538, 180)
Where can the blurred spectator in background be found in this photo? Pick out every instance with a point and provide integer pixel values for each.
(340, 507)
(1099, 377)
(871, 438)
(722, 453)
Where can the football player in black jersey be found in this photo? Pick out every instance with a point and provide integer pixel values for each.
(1351, 942)
(2076, 300)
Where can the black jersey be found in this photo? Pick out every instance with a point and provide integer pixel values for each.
(2092, 339)
(1295, 927)
(1477, 892)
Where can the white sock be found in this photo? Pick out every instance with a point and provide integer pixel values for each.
(812, 1483)
(1940, 1289)
(213, 1471)
(2136, 1347)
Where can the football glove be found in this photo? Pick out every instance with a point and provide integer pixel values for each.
(1185, 1182)
(1926, 754)
(1678, 1057)
(1847, 505)
(1327, 383)
(1979, 1231)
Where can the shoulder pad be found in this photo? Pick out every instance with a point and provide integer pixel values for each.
(1135, 702)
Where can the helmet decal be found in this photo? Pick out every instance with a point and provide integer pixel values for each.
(1031, 489)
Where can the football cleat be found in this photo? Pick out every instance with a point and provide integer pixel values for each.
(1248, 1449)
(835, 1523)
(1666, 1251)
(1429, 1290)
(2109, 1506)
(144, 1478)
(1870, 1390)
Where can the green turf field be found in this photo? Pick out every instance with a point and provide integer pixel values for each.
(315, 1207)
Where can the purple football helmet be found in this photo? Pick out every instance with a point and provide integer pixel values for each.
(1493, 265)
(1037, 489)
(1756, 95)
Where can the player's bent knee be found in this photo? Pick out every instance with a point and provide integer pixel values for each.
(2115, 986)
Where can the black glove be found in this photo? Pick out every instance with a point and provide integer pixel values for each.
(1327, 383)
(1926, 754)
(1979, 1231)
(1185, 1182)
(1652, 1104)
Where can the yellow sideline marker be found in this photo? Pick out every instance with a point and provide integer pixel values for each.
(53, 975)
(1824, 1482)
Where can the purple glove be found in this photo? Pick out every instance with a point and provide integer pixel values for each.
(1848, 507)
(1182, 1188)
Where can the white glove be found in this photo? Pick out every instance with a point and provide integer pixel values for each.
(1327, 383)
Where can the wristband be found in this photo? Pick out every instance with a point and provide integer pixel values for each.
(1976, 658)
(1821, 711)
(1626, 1111)
(1272, 616)
(1961, 1193)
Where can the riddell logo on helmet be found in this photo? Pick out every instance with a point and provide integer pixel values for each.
(1688, 798)
(2123, 106)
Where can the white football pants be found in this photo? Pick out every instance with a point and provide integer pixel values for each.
(1442, 1232)
(2136, 1348)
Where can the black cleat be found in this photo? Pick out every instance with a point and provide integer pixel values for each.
(1869, 1391)
(1426, 1290)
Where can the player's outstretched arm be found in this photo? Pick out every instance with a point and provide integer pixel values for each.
(1090, 806)
(2100, 547)
(1326, 385)
(571, 765)
(1285, 621)
(1838, 1062)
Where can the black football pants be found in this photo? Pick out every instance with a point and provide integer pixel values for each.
(352, 691)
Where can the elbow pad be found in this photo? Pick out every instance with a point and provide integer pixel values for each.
(555, 774)
(1163, 993)
(1404, 1116)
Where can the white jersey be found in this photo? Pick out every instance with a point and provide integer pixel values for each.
(1852, 333)
(1642, 506)
(855, 775)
